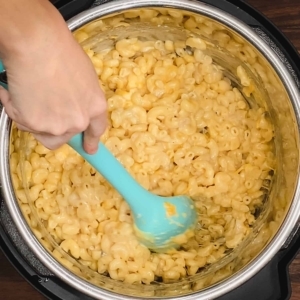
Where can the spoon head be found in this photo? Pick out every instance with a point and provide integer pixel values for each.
(167, 223)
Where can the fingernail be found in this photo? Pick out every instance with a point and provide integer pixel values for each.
(90, 149)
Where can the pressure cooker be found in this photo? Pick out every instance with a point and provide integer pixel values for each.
(267, 278)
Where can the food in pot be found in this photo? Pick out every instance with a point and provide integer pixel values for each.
(180, 125)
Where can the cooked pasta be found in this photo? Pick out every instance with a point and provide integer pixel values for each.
(179, 126)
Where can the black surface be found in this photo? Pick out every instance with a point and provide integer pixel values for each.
(70, 8)
(50, 286)
(272, 282)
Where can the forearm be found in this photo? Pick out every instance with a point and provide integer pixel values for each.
(26, 24)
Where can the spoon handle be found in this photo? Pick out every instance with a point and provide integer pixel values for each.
(113, 171)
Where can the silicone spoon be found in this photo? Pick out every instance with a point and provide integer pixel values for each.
(159, 222)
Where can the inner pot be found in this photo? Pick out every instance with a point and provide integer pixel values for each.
(264, 85)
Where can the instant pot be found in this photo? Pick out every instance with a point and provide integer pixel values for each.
(271, 282)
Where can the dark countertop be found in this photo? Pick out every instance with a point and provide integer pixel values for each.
(286, 15)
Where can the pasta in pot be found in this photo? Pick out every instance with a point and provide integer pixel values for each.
(179, 126)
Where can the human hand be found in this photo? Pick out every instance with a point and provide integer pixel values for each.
(53, 88)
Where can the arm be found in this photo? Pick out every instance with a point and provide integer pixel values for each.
(53, 89)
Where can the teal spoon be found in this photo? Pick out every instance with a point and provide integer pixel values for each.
(159, 222)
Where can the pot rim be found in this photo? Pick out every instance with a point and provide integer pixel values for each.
(234, 280)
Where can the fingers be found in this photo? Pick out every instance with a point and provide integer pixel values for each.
(50, 141)
(6, 102)
(93, 132)
(53, 142)
(24, 128)
(4, 96)
(92, 135)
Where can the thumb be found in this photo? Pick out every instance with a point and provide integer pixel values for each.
(6, 101)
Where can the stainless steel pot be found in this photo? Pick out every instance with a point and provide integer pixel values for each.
(252, 255)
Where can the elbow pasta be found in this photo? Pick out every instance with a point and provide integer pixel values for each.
(179, 126)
